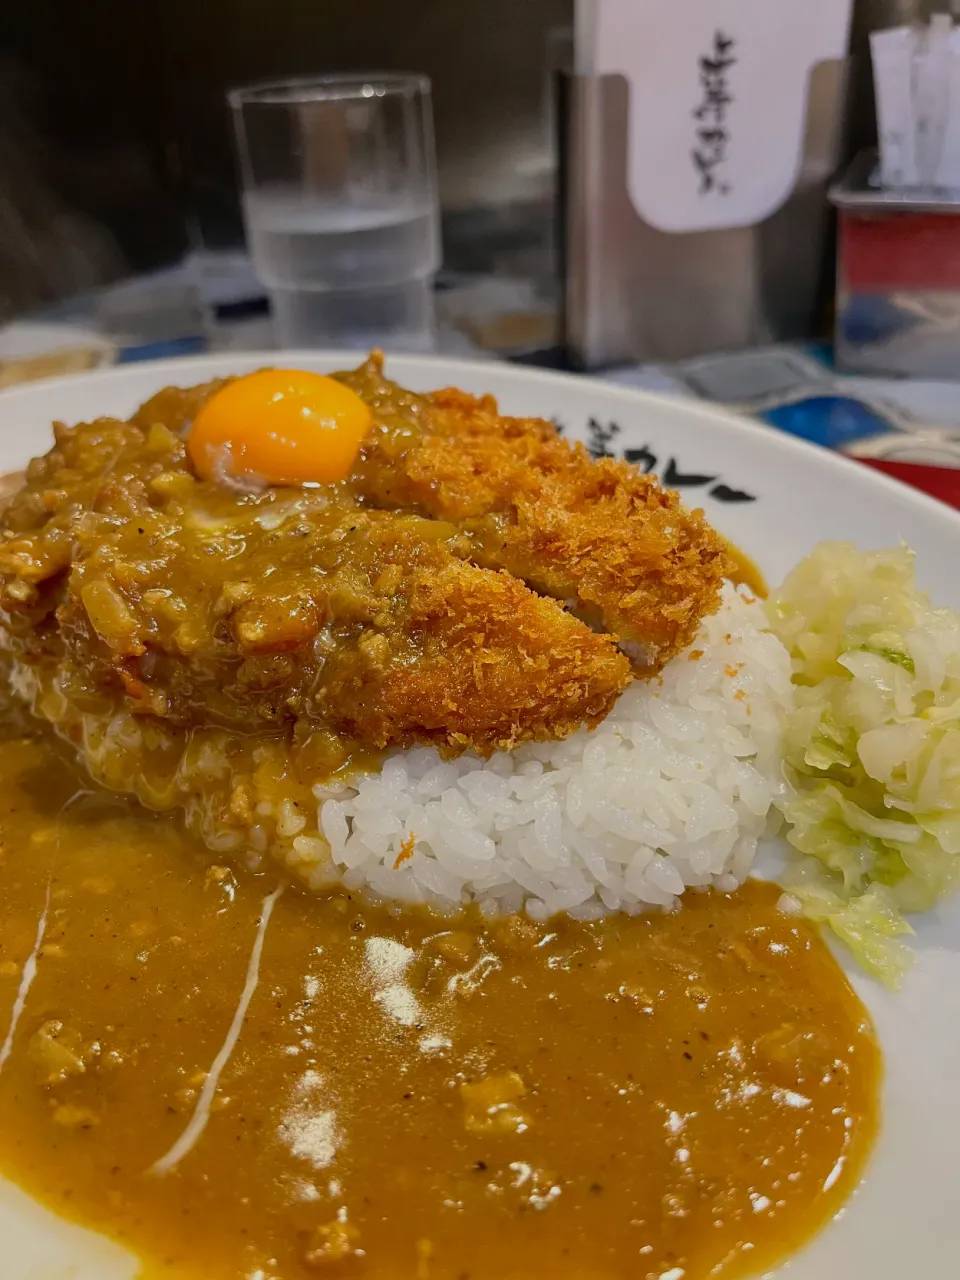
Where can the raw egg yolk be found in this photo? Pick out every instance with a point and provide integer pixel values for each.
(282, 426)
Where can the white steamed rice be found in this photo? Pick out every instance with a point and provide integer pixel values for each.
(673, 790)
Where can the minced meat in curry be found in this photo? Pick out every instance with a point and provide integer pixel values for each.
(441, 593)
(411, 1097)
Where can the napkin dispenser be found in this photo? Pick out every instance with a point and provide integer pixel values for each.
(698, 142)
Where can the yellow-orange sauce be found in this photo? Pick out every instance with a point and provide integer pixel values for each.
(745, 572)
(682, 1096)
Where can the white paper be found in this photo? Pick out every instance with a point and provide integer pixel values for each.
(718, 99)
(892, 56)
(930, 66)
(948, 170)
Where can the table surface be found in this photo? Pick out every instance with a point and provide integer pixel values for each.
(908, 427)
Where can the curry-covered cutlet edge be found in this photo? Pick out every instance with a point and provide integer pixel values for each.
(134, 585)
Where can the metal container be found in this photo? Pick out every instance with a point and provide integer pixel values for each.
(898, 277)
(633, 292)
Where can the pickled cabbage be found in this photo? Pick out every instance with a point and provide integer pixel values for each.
(872, 747)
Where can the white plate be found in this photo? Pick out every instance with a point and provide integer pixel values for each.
(775, 496)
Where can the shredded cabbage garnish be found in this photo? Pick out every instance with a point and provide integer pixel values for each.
(872, 746)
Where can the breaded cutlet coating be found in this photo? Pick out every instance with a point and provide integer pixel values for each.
(126, 582)
(602, 537)
(476, 660)
(599, 535)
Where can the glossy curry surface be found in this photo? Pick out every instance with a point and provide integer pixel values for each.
(680, 1096)
(471, 580)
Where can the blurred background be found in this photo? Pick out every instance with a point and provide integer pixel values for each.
(118, 177)
(116, 153)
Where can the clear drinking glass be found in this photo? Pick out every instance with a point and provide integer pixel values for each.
(340, 206)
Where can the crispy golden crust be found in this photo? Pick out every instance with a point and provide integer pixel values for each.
(494, 665)
(130, 583)
(456, 589)
(598, 535)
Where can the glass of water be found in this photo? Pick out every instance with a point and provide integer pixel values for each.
(340, 206)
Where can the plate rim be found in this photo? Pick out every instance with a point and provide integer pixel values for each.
(707, 411)
(778, 449)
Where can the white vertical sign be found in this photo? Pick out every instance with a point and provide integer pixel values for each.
(718, 99)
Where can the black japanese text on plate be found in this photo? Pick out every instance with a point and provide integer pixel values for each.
(601, 435)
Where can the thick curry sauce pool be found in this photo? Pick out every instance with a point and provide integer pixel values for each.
(679, 1096)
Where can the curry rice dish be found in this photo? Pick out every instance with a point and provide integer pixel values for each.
(419, 654)
(461, 580)
(420, 599)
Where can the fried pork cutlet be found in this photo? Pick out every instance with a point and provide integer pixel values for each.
(456, 589)
(477, 660)
(127, 583)
(619, 550)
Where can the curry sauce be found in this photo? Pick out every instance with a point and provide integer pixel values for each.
(674, 1095)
